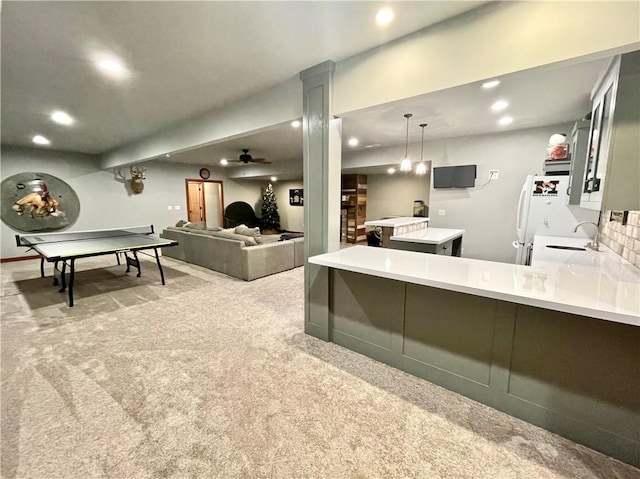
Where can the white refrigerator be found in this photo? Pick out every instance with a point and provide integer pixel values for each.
(543, 210)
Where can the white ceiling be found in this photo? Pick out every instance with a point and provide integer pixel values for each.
(192, 57)
(186, 58)
(538, 97)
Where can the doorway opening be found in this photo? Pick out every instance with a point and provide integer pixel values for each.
(205, 202)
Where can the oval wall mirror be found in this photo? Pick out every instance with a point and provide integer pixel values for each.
(38, 202)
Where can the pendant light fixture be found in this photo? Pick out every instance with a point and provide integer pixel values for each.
(405, 166)
(421, 169)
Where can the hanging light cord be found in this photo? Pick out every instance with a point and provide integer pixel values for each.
(406, 142)
(422, 149)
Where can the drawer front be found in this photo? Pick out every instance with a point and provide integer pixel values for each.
(444, 248)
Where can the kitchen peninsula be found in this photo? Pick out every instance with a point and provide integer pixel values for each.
(444, 241)
(397, 226)
(557, 345)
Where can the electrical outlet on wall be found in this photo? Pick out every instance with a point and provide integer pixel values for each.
(441, 212)
(494, 174)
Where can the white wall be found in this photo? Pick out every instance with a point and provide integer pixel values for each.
(393, 195)
(488, 214)
(104, 201)
(291, 217)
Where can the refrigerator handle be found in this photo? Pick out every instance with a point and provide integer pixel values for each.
(528, 254)
(521, 200)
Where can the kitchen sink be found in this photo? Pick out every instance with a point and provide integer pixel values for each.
(572, 248)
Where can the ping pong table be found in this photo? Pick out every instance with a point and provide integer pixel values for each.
(65, 248)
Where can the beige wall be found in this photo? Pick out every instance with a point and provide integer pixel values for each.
(104, 202)
(488, 213)
(291, 217)
(393, 195)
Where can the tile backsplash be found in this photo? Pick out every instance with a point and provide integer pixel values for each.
(623, 239)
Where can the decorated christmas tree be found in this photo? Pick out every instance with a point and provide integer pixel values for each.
(270, 216)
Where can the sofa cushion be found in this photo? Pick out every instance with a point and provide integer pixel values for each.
(206, 232)
(253, 232)
(247, 240)
(198, 225)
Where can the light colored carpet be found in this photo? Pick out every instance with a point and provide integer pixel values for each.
(212, 377)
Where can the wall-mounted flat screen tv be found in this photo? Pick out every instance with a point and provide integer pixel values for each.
(463, 176)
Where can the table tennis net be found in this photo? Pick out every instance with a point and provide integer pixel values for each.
(42, 238)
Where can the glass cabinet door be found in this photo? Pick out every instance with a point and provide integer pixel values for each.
(603, 146)
(604, 100)
(592, 152)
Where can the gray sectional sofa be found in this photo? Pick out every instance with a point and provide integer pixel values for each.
(234, 254)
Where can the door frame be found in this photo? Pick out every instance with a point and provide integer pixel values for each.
(200, 180)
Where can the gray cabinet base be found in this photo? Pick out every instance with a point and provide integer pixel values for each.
(576, 376)
(450, 248)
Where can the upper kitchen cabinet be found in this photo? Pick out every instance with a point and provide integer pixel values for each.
(612, 172)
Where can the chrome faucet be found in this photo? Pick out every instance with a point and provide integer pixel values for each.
(592, 245)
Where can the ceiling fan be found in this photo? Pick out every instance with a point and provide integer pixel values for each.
(246, 158)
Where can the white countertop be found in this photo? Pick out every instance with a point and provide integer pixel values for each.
(394, 222)
(430, 235)
(595, 291)
(542, 255)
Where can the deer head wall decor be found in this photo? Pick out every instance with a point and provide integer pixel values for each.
(137, 175)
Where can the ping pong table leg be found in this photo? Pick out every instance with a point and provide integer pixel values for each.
(42, 266)
(56, 270)
(159, 265)
(72, 268)
(63, 277)
(135, 262)
(135, 255)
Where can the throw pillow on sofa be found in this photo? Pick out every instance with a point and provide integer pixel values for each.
(197, 225)
(253, 232)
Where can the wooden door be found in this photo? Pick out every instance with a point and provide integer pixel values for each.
(195, 201)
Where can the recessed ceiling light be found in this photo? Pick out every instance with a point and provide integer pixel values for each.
(224, 162)
(274, 178)
(62, 118)
(491, 84)
(111, 66)
(391, 171)
(353, 142)
(296, 124)
(40, 140)
(167, 155)
(499, 105)
(384, 16)
(505, 120)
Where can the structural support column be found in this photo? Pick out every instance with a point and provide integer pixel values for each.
(322, 163)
